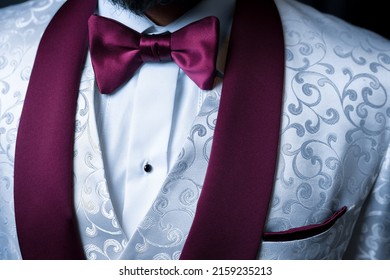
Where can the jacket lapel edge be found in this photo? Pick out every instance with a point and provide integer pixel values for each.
(43, 191)
(239, 182)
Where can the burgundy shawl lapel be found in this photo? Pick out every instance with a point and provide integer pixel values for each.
(234, 203)
(44, 150)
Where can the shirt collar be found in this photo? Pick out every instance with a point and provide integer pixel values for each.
(222, 9)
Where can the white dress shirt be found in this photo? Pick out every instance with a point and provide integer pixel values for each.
(143, 125)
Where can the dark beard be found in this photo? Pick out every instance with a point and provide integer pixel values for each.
(140, 6)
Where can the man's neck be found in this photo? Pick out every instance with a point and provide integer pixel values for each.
(165, 14)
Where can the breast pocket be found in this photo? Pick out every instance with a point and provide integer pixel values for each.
(326, 240)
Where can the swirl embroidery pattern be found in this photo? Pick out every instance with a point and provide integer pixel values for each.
(335, 130)
(101, 232)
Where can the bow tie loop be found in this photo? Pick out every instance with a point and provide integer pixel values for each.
(117, 51)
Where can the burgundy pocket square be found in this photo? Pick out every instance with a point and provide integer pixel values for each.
(304, 231)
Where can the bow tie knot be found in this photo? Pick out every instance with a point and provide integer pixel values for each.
(118, 51)
(155, 48)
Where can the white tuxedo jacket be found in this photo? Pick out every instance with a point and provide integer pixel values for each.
(334, 159)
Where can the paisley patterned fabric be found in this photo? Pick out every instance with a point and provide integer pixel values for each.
(333, 150)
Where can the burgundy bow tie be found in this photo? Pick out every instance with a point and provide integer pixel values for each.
(118, 51)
